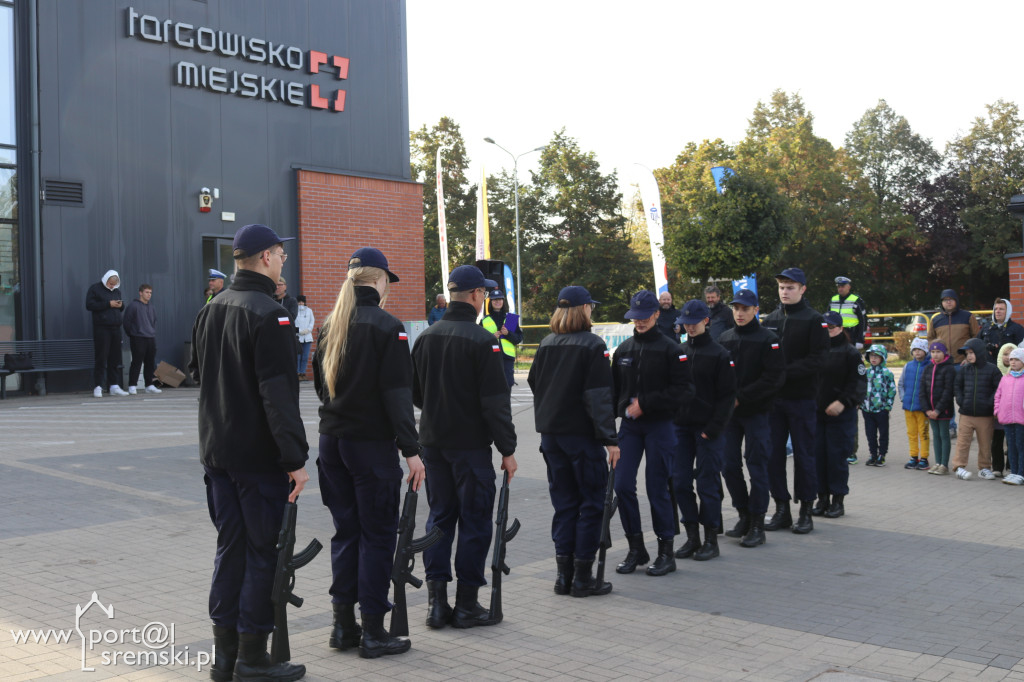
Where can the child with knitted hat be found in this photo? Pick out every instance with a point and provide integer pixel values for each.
(1010, 413)
(936, 392)
(913, 406)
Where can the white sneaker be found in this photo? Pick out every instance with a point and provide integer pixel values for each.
(132, 390)
(986, 474)
(97, 392)
(1018, 479)
(153, 389)
(963, 474)
(117, 390)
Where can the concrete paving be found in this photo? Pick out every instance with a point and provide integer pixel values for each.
(921, 579)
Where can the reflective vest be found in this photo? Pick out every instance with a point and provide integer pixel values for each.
(507, 347)
(847, 308)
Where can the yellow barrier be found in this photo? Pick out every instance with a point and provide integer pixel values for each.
(928, 321)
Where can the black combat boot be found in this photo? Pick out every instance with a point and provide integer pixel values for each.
(692, 541)
(563, 581)
(346, 632)
(804, 524)
(468, 612)
(584, 584)
(637, 555)
(439, 613)
(253, 664)
(821, 506)
(226, 642)
(709, 550)
(666, 562)
(754, 536)
(782, 518)
(741, 527)
(837, 509)
(376, 641)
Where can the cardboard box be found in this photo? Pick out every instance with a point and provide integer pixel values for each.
(169, 374)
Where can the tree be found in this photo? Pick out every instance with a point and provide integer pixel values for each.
(581, 237)
(501, 204)
(711, 235)
(460, 198)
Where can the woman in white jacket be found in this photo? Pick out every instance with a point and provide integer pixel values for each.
(304, 324)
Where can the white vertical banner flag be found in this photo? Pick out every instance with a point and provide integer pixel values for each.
(651, 198)
(483, 232)
(442, 229)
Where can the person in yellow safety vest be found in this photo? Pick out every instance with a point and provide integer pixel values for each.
(853, 311)
(494, 323)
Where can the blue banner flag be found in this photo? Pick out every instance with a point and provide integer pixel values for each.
(510, 290)
(720, 174)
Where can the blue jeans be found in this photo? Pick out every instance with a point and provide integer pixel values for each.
(304, 356)
(1015, 447)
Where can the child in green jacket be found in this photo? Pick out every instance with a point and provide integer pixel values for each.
(877, 403)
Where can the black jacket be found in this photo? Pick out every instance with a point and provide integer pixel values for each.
(243, 352)
(291, 304)
(975, 384)
(937, 388)
(996, 336)
(571, 381)
(721, 320)
(844, 376)
(373, 388)
(759, 364)
(653, 369)
(459, 383)
(97, 300)
(667, 322)
(805, 344)
(710, 405)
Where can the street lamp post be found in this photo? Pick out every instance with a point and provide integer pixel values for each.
(515, 175)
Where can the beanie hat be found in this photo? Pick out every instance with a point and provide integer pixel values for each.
(939, 346)
(919, 344)
(1017, 353)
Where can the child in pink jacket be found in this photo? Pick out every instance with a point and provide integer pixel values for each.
(1010, 413)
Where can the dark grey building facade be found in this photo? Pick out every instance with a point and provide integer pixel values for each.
(124, 113)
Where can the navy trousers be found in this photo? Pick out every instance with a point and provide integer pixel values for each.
(577, 477)
(508, 363)
(658, 441)
(698, 459)
(793, 419)
(247, 509)
(361, 482)
(748, 437)
(460, 491)
(876, 428)
(832, 444)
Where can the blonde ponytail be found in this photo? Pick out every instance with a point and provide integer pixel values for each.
(337, 323)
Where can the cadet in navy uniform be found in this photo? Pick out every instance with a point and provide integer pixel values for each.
(699, 424)
(460, 385)
(652, 379)
(805, 346)
(575, 415)
(253, 447)
(760, 369)
(843, 387)
(362, 372)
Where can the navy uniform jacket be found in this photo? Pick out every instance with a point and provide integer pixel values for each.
(243, 352)
(759, 364)
(459, 383)
(373, 389)
(571, 381)
(653, 369)
(710, 406)
(844, 376)
(805, 344)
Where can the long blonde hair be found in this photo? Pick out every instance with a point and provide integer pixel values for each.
(570, 320)
(337, 323)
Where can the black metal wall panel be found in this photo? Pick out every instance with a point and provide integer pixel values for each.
(113, 117)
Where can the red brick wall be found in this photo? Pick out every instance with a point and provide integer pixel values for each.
(1016, 262)
(341, 213)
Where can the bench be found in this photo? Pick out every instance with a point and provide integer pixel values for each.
(48, 355)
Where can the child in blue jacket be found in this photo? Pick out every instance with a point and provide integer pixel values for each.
(913, 408)
(878, 401)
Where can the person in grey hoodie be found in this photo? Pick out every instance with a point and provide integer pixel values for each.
(140, 325)
(1001, 330)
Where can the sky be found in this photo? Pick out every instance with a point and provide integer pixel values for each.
(635, 81)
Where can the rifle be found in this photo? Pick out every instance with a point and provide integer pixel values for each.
(611, 503)
(405, 561)
(501, 538)
(284, 581)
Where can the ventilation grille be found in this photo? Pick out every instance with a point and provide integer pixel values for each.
(62, 192)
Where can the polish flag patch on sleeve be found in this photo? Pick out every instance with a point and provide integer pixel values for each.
(824, 325)
(495, 349)
(402, 336)
(683, 358)
(775, 346)
(283, 321)
(606, 354)
(732, 364)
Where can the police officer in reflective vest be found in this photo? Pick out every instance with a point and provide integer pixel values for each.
(853, 311)
(494, 323)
